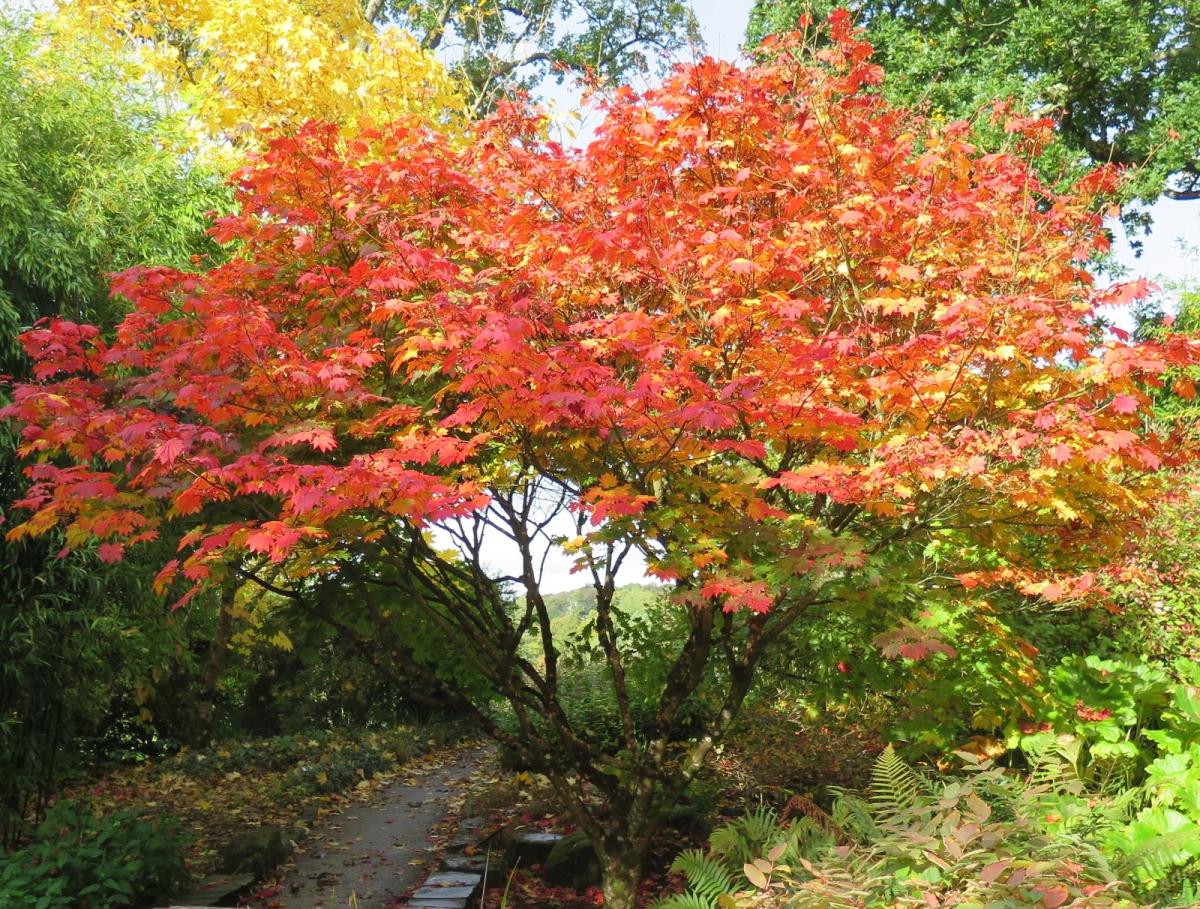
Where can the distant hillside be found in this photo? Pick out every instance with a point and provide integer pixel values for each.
(630, 598)
(570, 613)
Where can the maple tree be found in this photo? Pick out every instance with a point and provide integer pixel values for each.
(783, 339)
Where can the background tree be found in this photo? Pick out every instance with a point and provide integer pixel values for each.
(87, 186)
(502, 47)
(1123, 78)
(782, 338)
(1174, 310)
(242, 65)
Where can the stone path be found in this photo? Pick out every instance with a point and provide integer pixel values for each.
(375, 851)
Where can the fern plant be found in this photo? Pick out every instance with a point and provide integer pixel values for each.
(1159, 850)
(965, 840)
(714, 878)
(708, 879)
(745, 838)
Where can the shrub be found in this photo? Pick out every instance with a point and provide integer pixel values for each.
(77, 860)
(295, 754)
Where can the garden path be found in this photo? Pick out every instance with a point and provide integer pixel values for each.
(378, 850)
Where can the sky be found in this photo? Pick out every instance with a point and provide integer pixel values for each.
(723, 26)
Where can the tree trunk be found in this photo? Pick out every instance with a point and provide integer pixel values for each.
(206, 699)
(622, 874)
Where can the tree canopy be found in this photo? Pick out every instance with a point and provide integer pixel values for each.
(1123, 78)
(243, 66)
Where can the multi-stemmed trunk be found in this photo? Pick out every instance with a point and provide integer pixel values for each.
(617, 796)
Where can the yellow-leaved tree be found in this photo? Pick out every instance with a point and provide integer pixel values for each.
(241, 66)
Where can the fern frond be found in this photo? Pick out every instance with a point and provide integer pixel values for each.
(1158, 857)
(706, 877)
(1184, 885)
(726, 841)
(687, 900)
(1049, 771)
(567, 847)
(758, 826)
(895, 786)
(807, 840)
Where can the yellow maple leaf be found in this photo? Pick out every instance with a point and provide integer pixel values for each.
(282, 641)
